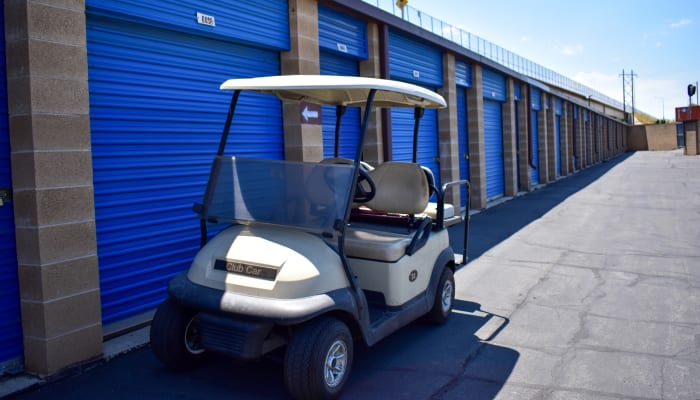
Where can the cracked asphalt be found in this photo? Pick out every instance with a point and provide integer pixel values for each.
(588, 288)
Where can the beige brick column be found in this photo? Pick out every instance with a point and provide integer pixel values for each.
(48, 107)
(510, 168)
(477, 160)
(524, 137)
(542, 137)
(302, 142)
(448, 130)
(551, 141)
(371, 67)
(565, 143)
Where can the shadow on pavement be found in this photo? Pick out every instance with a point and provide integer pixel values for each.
(493, 225)
(419, 361)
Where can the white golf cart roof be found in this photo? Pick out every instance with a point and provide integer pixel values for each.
(340, 90)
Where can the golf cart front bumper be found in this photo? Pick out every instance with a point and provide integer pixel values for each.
(242, 326)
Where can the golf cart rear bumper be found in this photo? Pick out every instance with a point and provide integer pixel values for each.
(258, 309)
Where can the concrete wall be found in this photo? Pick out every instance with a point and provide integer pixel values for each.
(652, 137)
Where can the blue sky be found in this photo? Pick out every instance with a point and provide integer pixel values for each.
(593, 41)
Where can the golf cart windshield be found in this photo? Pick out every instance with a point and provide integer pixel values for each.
(310, 196)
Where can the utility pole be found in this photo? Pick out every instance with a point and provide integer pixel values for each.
(628, 92)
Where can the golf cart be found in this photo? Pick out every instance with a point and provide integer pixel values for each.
(314, 255)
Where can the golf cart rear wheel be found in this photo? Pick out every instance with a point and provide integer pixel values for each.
(444, 299)
(318, 360)
(175, 337)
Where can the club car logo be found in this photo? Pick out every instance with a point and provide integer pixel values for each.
(413, 275)
(240, 268)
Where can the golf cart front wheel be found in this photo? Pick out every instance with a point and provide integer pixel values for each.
(444, 298)
(318, 360)
(175, 336)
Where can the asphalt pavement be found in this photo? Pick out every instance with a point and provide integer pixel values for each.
(588, 288)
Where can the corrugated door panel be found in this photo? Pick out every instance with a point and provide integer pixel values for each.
(535, 98)
(494, 85)
(234, 20)
(574, 134)
(558, 108)
(518, 91)
(463, 73)
(402, 122)
(336, 64)
(534, 149)
(341, 33)
(463, 132)
(557, 143)
(517, 141)
(493, 147)
(156, 114)
(10, 322)
(414, 61)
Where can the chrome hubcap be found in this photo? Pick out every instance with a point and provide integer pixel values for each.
(446, 297)
(193, 342)
(336, 363)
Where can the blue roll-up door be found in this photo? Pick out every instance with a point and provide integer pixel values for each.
(343, 43)
(494, 92)
(557, 133)
(417, 62)
(493, 147)
(335, 64)
(517, 92)
(10, 321)
(574, 133)
(156, 117)
(535, 106)
(463, 75)
(463, 139)
(534, 138)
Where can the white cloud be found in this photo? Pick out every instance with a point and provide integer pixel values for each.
(681, 23)
(524, 39)
(570, 49)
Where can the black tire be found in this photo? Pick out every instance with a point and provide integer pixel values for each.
(306, 372)
(444, 299)
(175, 336)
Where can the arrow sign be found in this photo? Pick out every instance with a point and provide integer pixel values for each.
(311, 113)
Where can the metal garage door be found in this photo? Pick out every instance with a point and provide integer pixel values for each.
(156, 116)
(574, 133)
(10, 322)
(517, 91)
(557, 133)
(494, 92)
(463, 72)
(535, 106)
(416, 62)
(343, 43)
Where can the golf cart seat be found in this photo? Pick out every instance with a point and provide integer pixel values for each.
(432, 209)
(401, 188)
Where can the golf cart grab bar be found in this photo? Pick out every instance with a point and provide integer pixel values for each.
(441, 211)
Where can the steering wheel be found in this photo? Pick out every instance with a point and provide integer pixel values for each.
(363, 195)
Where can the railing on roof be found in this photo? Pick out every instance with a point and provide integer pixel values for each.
(493, 52)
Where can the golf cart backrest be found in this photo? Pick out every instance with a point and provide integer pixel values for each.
(402, 188)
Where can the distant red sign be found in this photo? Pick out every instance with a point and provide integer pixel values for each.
(687, 113)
